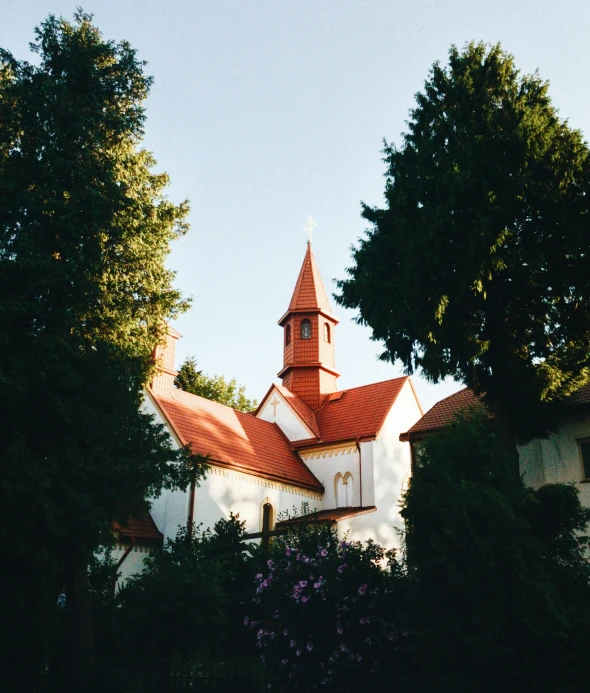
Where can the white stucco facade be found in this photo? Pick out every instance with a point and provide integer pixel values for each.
(558, 459)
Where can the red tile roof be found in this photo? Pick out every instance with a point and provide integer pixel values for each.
(358, 412)
(582, 396)
(234, 439)
(301, 409)
(333, 515)
(143, 530)
(443, 412)
(309, 291)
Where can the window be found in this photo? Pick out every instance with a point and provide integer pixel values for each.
(585, 452)
(305, 329)
(288, 335)
(326, 332)
(267, 516)
(343, 490)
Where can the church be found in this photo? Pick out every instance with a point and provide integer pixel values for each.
(337, 451)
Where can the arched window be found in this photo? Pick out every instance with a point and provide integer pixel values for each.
(267, 515)
(344, 490)
(348, 490)
(288, 335)
(306, 329)
(326, 332)
(339, 490)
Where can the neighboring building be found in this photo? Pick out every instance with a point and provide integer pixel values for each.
(563, 457)
(337, 451)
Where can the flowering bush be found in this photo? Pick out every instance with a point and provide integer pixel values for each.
(324, 612)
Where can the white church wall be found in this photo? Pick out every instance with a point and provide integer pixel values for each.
(557, 459)
(326, 464)
(391, 465)
(133, 562)
(285, 418)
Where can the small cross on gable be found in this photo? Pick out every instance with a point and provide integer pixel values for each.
(274, 404)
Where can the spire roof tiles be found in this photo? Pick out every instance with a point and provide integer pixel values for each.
(309, 293)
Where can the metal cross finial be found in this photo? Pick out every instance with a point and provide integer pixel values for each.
(311, 224)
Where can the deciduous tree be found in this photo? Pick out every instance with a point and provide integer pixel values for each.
(214, 387)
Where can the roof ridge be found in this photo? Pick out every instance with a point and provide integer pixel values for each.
(360, 387)
(206, 399)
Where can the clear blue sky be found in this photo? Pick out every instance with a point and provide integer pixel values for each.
(266, 111)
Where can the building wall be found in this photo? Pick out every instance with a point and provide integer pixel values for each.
(224, 491)
(557, 459)
(285, 418)
(326, 464)
(132, 564)
(389, 460)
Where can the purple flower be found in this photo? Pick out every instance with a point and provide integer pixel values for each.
(340, 630)
(292, 643)
(340, 568)
(298, 653)
(305, 599)
(269, 563)
(317, 586)
(309, 647)
(302, 583)
(284, 661)
(258, 577)
(285, 632)
(323, 552)
(362, 589)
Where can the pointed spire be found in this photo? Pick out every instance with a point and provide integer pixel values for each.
(309, 291)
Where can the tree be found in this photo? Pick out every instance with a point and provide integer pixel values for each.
(188, 600)
(215, 387)
(326, 612)
(498, 571)
(478, 266)
(85, 229)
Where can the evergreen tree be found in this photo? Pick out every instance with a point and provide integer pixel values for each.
(499, 579)
(215, 387)
(477, 267)
(84, 292)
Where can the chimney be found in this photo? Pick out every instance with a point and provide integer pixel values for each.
(163, 382)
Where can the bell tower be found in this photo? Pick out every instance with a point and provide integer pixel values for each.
(308, 338)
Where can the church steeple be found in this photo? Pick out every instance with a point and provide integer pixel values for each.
(308, 325)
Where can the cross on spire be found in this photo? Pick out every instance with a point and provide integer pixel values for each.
(311, 224)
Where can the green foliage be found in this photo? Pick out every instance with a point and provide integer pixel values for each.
(477, 267)
(85, 229)
(326, 612)
(189, 600)
(215, 387)
(499, 580)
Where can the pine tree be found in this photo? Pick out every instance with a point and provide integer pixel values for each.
(85, 229)
(477, 267)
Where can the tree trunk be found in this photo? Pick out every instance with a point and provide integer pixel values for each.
(505, 436)
(76, 666)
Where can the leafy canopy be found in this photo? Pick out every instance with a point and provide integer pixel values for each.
(85, 229)
(498, 572)
(478, 267)
(215, 387)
